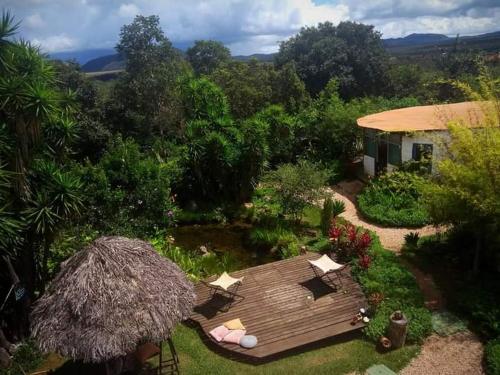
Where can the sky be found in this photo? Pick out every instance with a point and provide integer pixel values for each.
(245, 26)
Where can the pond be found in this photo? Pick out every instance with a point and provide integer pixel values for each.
(221, 238)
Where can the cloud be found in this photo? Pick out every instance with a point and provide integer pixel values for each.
(246, 26)
(56, 43)
(34, 21)
(128, 10)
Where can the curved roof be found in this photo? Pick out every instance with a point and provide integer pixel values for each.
(109, 297)
(426, 117)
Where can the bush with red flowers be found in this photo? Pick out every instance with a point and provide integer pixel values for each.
(349, 242)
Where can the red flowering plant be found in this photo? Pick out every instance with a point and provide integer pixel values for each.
(349, 242)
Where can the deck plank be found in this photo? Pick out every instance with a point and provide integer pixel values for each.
(284, 306)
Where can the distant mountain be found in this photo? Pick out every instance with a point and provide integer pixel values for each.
(265, 57)
(116, 62)
(104, 63)
(413, 44)
(414, 39)
(82, 56)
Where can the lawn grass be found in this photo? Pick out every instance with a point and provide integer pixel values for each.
(339, 358)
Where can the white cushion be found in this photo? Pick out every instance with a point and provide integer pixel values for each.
(225, 281)
(326, 264)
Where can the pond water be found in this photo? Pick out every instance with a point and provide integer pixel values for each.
(221, 238)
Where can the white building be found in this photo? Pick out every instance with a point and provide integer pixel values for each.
(393, 137)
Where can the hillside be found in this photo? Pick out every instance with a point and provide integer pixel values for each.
(411, 45)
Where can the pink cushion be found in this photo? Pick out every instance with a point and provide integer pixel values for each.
(219, 332)
(234, 336)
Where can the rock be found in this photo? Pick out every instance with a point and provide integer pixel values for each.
(204, 251)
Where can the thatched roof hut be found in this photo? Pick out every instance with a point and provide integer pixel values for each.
(109, 297)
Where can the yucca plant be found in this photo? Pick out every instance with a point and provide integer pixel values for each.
(338, 207)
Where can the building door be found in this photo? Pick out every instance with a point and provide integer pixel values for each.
(381, 163)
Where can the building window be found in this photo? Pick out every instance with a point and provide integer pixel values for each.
(422, 151)
(394, 154)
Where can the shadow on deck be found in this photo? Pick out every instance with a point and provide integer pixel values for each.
(285, 307)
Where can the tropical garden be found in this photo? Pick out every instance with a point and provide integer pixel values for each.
(237, 155)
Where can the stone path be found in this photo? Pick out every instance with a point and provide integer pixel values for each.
(458, 354)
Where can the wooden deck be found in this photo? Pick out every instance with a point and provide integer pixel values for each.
(285, 307)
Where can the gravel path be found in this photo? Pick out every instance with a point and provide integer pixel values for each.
(458, 354)
(391, 238)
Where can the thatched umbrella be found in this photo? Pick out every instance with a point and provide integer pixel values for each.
(110, 297)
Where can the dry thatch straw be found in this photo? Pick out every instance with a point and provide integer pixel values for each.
(109, 297)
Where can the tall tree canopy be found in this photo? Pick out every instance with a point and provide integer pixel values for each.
(350, 52)
(147, 99)
(252, 86)
(207, 55)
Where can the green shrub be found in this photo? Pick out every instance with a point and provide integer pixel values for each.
(393, 199)
(197, 217)
(195, 266)
(297, 186)
(267, 238)
(128, 191)
(338, 207)
(326, 216)
(387, 276)
(26, 358)
(492, 357)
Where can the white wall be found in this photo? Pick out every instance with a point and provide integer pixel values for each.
(435, 138)
(369, 165)
(391, 168)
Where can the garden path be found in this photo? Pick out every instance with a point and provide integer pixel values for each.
(391, 238)
(457, 354)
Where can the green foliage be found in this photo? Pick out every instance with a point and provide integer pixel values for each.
(280, 134)
(327, 130)
(252, 86)
(465, 188)
(127, 191)
(207, 55)
(146, 100)
(195, 266)
(26, 359)
(394, 199)
(387, 276)
(480, 303)
(204, 100)
(351, 52)
(326, 216)
(297, 185)
(492, 356)
(338, 207)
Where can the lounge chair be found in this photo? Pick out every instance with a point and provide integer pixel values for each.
(226, 285)
(324, 267)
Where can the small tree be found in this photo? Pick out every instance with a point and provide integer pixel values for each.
(466, 189)
(297, 185)
(326, 216)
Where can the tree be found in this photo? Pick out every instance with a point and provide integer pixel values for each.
(146, 100)
(252, 86)
(327, 130)
(280, 135)
(37, 128)
(203, 99)
(352, 53)
(297, 185)
(93, 135)
(207, 55)
(465, 190)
